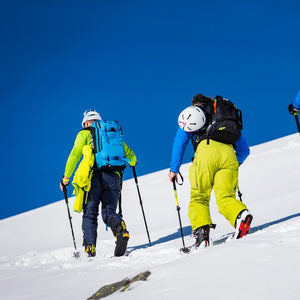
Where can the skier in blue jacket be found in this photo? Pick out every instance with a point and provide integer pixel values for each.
(215, 166)
(182, 138)
(294, 107)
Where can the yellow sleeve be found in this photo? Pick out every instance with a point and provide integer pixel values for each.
(83, 138)
(130, 155)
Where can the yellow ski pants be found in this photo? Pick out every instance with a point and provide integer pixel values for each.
(215, 166)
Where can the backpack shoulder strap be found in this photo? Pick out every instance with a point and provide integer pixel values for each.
(92, 130)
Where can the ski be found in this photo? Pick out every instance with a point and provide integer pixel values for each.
(213, 242)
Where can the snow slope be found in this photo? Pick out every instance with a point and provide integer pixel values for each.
(36, 247)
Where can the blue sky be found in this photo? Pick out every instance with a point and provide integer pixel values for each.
(139, 62)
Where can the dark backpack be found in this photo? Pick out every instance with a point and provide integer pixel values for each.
(108, 145)
(225, 121)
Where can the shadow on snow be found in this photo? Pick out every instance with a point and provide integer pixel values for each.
(187, 230)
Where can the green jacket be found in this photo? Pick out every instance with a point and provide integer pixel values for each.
(84, 138)
(82, 178)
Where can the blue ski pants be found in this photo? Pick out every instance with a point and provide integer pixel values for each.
(105, 188)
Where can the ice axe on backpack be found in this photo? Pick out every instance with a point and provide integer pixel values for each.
(76, 253)
(184, 249)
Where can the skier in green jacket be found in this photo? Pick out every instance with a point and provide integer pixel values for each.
(105, 188)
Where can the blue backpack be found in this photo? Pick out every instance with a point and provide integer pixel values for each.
(108, 145)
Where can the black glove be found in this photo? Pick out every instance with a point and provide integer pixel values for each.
(292, 110)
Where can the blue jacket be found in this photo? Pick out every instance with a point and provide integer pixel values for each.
(181, 140)
(296, 101)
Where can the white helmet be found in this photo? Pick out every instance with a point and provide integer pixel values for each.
(191, 119)
(90, 114)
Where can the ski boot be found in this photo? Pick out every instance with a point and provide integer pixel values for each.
(90, 250)
(242, 224)
(122, 237)
(202, 236)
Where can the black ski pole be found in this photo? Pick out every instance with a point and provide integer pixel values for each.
(76, 253)
(141, 203)
(297, 122)
(184, 249)
(239, 193)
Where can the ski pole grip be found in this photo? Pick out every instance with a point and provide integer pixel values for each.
(65, 194)
(174, 183)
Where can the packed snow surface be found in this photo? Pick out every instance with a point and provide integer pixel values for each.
(36, 253)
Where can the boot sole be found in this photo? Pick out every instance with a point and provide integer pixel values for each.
(244, 226)
(121, 246)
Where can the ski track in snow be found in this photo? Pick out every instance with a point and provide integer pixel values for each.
(148, 256)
